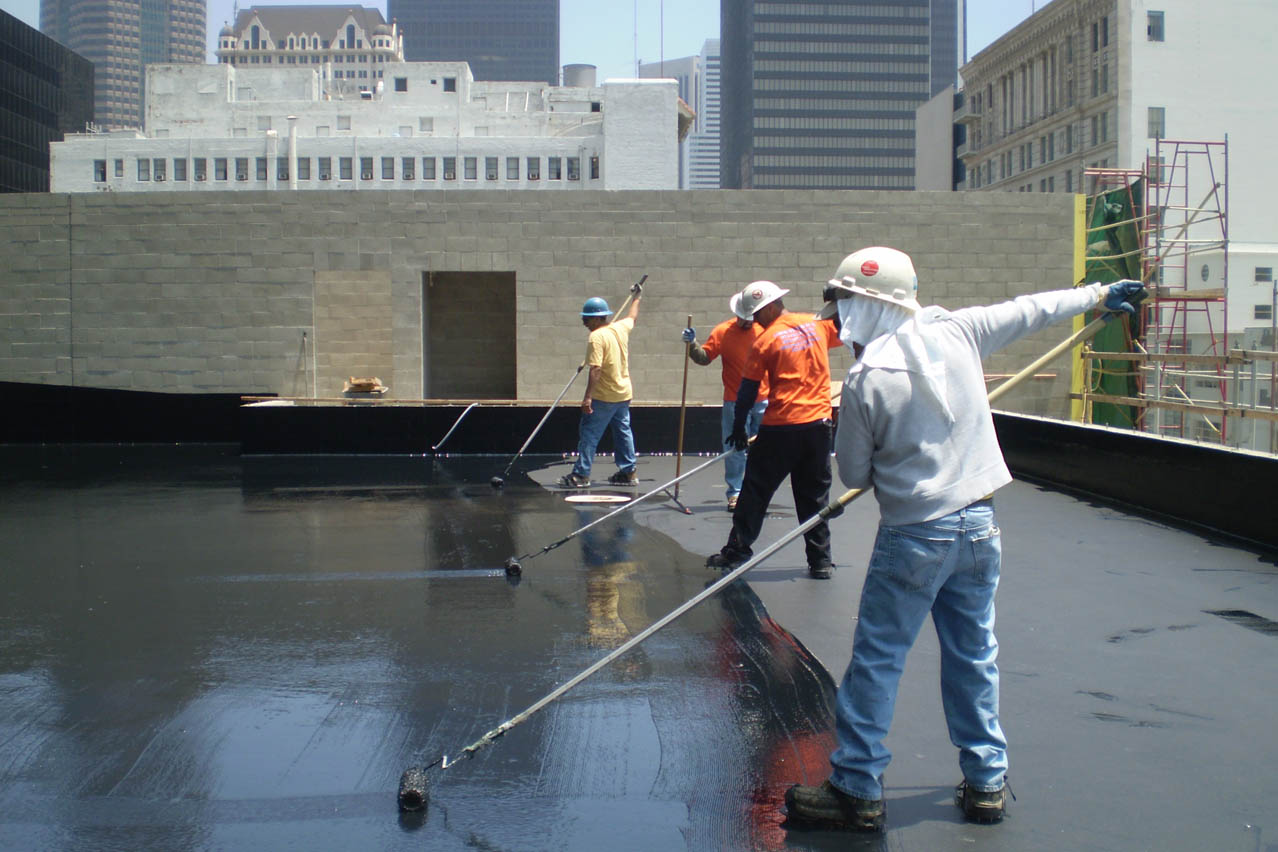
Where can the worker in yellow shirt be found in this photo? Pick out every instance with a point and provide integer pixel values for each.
(608, 393)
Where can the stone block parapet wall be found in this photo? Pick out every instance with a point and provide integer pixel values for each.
(233, 292)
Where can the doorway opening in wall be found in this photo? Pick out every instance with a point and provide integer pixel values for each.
(469, 330)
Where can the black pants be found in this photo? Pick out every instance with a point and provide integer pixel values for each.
(803, 454)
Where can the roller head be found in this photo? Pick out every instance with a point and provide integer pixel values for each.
(496, 482)
(513, 568)
(414, 789)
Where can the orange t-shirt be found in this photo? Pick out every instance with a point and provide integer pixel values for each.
(793, 354)
(732, 343)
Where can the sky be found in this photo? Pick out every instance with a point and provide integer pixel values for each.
(612, 34)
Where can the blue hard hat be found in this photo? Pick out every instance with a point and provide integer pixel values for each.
(595, 307)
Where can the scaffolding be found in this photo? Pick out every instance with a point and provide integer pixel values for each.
(1177, 373)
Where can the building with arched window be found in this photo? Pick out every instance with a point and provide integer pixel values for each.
(343, 43)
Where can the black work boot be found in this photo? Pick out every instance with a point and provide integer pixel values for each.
(726, 559)
(830, 806)
(985, 806)
(821, 570)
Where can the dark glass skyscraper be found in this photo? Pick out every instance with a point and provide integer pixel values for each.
(46, 91)
(501, 39)
(120, 38)
(822, 94)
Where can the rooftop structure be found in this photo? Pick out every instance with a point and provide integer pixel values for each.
(424, 125)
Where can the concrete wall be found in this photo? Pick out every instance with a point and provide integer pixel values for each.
(213, 292)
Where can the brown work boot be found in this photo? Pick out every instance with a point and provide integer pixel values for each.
(985, 806)
(624, 477)
(829, 806)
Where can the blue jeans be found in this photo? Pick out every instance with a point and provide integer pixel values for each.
(948, 566)
(734, 465)
(605, 414)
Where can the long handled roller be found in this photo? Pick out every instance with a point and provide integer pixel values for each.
(499, 481)
(414, 785)
(514, 569)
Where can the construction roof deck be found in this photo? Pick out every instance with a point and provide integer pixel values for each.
(201, 651)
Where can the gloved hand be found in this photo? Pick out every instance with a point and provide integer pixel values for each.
(1123, 296)
(738, 440)
(637, 288)
(689, 335)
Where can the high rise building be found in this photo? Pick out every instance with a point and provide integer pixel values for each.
(122, 37)
(823, 94)
(703, 142)
(698, 78)
(506, 40)
(46, 91)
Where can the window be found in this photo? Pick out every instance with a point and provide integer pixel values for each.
(401, 84)
(1095, 37)
(1095, 129)
(303, 168)
(450, 84)
(490, 168)
(425, 125)
(179, 169)
(1264, 274)
(471, 165)
(428, 168)
(406, 168)
(263, 122)
(259, 168)
(450, 168)
(1069, 181)
(596, 106)
(281, 168)
(345, 168)
(1104, 77)
(219, 168)
(119, 168)
(325, 168)
(201, 168)
(343, 122)
(144, 169)
(574, 168)
(1104, 32)
(241, 168)
(99, 171)
(594, 167)
(512, 168)
(405, 131)
(365, 168)
(388, 168)
(534, 168)
(1264, 312)
(1157, 122)
(554, 168)
(1154, 26)
(1104, 126)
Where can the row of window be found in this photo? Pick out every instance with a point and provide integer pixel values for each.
(841, 9)
(852, 28)
(391, 168)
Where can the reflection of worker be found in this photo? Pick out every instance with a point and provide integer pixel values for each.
(608, 392)
(791, 353)
(612, 597)
(732, 340)
(916, 424)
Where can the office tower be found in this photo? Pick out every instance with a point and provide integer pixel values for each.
(823, 94)
(515, 40)
(703, 142)
(45, 92)
(686, 71)
(122, 37)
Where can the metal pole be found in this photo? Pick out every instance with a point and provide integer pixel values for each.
(683, 408)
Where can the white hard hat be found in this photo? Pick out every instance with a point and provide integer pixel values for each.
(883, 269)
(756, 295)
(738, 309)
(847, 287)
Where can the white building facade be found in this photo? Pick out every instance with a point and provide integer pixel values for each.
(423, 125)
(1094, 83)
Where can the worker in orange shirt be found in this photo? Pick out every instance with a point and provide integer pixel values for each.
(792, 354)
(731, 339)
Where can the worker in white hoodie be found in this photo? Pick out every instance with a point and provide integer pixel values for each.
(915, 424)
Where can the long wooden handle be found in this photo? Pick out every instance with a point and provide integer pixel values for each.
(683, 409)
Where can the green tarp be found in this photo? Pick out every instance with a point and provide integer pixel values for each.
(1113, 253)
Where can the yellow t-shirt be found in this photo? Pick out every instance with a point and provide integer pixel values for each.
(609, 350)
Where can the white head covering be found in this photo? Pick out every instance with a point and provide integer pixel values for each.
(894, 337)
